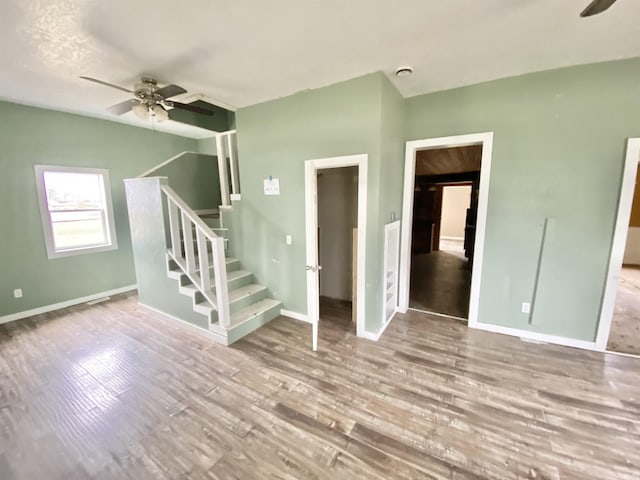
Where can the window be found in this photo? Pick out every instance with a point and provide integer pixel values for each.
(76, 212)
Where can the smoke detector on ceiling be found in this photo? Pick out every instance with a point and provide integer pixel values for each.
(404, 71)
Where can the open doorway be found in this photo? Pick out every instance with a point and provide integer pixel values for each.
(337, 245)
(620, 320)
(475, 220)
(315, 170)
(445, 207)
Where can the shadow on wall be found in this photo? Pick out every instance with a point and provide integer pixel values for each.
(194, 177)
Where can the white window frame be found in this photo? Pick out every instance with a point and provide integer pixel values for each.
(45, 216)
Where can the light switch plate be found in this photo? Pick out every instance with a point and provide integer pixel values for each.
(289, 240)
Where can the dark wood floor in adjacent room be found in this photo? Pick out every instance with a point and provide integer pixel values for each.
(117, 392)
(440, 283)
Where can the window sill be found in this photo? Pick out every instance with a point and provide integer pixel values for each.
(81, 251)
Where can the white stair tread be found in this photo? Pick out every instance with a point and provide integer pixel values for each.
(253, 310)
(234, 295)
(237, 274)
(203, 307)
(245, 291)
(191, 290)
(188, 289)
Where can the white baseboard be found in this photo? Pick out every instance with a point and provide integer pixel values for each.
(535, 336)
(68, 303)
(207, 333)
(303, 317)
(622, 354)
(443, 315)
(376, 336)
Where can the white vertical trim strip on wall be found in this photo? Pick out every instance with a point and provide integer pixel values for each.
(619, 241)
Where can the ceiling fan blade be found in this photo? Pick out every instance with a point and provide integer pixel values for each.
(123, 107)
(596, 7)
(107, 84)
(170, 91)
(191, 108)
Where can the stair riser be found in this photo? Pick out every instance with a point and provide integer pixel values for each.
(254, 323)
(212, 222)
(231, 267)
(248, 300)
(240, 282)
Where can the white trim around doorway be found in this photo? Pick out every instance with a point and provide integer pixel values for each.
(619, 242)
(311, 199)
(412, 147)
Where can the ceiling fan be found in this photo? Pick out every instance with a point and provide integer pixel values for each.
(596, 7)
(150, 100)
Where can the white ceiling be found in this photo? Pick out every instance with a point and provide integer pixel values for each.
(238, 53)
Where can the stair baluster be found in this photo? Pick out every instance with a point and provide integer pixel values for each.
(183, 253)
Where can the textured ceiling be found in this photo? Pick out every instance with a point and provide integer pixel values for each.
(237, 53)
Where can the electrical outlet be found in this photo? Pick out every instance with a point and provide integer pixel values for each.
(289, 240)
(526, 307)
(17, 293)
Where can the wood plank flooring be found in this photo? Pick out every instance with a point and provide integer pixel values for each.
(114, 391)
(440, 283)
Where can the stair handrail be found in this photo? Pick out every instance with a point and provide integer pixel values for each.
(183, 219)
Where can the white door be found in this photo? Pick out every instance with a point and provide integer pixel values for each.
(313, 269)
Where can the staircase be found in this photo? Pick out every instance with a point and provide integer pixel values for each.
(220, 290)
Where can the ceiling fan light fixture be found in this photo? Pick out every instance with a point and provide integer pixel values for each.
(160, 113)
(141, 110)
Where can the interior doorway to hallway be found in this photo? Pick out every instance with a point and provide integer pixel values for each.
(426, 231)
(619, 329)
(445, 206)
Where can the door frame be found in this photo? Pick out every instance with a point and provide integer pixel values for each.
(412, 147)
(618, 246)
(311, 168)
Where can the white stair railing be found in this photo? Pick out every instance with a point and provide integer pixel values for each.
(228, 166)
(194, 257)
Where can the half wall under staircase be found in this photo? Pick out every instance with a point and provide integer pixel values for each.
(182, 268)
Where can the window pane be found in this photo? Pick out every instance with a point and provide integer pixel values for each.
(78, 229)
(71, 191)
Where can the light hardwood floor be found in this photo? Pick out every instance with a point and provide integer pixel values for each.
(116, 391)
(625, 328)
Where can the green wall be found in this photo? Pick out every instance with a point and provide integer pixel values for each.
(31, 136)
(147, 211)
(559, 146)
(392, 150)
(275, 139)
(195, 179)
